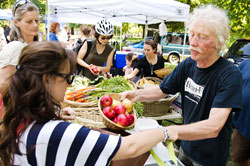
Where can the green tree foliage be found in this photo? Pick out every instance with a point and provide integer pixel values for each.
(238, 12)
(41, 4)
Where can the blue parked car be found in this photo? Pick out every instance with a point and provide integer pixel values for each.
(136, 47)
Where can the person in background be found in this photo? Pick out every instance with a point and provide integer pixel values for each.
(211, 89)
(100, 52)
(92, 32)
(32, 133)
(24, 30)
(131, 62)
(149, 63)
(53, 30)
(2, 39)
(241, 134)
(63, 36)
(7, 32)
(85, 30)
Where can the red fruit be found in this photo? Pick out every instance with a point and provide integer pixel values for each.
(94, 69)
(122, 120)
(109, 112)
(106, 100)
(115, 120)
(131, 119)
(120, 109)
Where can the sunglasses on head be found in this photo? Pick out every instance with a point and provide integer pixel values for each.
(68, 77)
(20, 3)
(104, 38)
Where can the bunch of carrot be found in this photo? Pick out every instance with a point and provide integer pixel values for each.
(77, 95)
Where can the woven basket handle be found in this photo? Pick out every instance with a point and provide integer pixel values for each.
(172, 98)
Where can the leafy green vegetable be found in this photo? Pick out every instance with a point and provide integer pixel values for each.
(139, 108)
(115, 85)
(97, 80)
(79, 83)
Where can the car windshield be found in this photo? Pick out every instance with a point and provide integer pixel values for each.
(241, 49)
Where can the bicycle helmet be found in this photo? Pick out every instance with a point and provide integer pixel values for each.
(104, 27)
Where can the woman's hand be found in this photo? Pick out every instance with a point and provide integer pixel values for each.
(94, 69)
(67, 113)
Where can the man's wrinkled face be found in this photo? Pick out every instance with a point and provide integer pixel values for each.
(202, 41)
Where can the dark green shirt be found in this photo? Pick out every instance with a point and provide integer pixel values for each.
(96, 59)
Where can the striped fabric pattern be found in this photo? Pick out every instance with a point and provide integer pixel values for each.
(58, 143)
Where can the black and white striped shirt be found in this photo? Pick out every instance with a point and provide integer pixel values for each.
(62, 143)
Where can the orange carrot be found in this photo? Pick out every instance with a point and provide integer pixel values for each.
(80, 100)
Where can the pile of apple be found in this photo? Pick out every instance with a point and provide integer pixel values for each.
(120, 112)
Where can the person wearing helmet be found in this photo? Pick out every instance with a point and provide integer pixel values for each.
(100, 52)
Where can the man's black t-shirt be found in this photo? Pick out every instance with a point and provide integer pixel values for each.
(146, 69)
(218, 86)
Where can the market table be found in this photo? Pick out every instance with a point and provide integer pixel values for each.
(172, 115)
(160, 150)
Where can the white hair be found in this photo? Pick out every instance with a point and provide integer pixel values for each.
(214, 18)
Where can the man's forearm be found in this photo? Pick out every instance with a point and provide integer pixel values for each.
(150, 94)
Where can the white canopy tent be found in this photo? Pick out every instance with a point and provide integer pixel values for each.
(118, 11)
(5, 14)
(131, 11)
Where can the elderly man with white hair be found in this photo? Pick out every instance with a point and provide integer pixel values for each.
(211, 89)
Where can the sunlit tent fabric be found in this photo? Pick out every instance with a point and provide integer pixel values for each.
(131, 11)
(5, 14)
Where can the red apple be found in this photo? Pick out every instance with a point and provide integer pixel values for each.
(120, 109)
(131, 119)
(106, 100)
(122, 120)
(109, 112)
(115, 120)
(94, 69)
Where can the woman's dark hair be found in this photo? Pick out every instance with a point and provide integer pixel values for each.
(85, 30)
(53, 27)
(129, 57)
(152, 43)
(26, 99)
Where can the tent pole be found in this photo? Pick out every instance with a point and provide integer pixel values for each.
(116, 35)
(48, 20)
(184, 44)
(145, 31)
(121, 37)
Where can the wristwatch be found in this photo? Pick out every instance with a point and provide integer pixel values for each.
(165, 133)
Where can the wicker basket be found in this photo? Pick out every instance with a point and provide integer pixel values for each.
(89, 117)
(162, 73)
(158, 108)
(109, 123)
(87, 114)
(73, 104)
(132, 83)
(154, 79)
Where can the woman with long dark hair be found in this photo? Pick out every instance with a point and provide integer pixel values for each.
(32, 133)
(149, 63)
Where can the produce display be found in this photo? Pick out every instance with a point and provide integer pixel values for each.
(121, 113)
(83, 90)
(78, 95)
